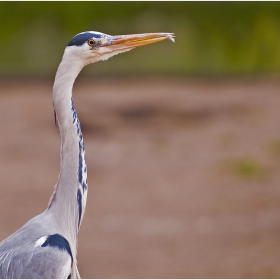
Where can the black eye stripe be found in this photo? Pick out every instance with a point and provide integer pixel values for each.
(82, 38)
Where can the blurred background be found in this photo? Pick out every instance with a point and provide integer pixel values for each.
(182, 140)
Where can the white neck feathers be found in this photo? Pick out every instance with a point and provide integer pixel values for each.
(68, 202)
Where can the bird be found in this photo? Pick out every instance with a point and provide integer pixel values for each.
(46, 246)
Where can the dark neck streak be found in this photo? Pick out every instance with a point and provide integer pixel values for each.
(68, 202)
(82, 168)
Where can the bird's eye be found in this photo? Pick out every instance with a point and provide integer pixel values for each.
(91, 42)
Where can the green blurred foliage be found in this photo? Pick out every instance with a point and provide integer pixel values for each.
(212, 38)
(249, 168)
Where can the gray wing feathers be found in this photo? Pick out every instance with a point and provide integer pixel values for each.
(21, 256)
(48, 262)
(42, 262)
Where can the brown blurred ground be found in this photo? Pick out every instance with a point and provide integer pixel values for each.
(183, 175)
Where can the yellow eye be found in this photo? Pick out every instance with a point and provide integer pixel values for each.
(91, 42)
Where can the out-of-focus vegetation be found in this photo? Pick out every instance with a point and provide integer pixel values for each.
(249, 168)
(211, 37)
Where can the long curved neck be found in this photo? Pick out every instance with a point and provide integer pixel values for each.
(68, 202)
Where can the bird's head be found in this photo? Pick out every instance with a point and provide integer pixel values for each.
(91, 46)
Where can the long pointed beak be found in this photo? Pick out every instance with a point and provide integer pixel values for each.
(137, 40)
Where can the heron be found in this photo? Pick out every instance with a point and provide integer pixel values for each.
(46, 246)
